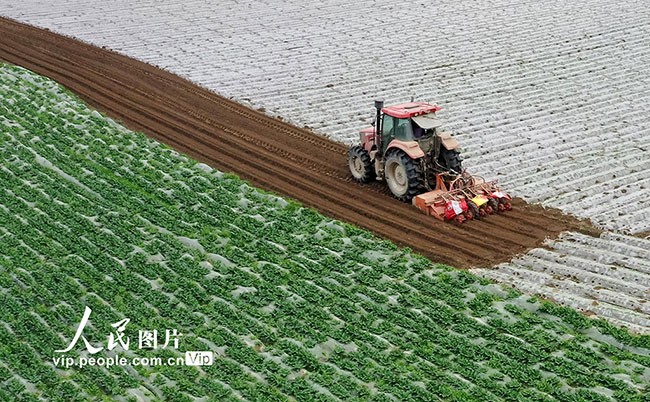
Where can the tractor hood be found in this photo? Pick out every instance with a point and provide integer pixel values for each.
(427, 121)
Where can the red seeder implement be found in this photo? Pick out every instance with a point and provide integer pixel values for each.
(462, 197)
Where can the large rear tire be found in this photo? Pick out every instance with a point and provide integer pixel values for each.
(451, 160)
(360, 164)
(403, 175)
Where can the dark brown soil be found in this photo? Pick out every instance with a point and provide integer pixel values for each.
(269, 153)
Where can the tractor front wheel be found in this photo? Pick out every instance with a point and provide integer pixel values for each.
(360, 164)
(403, 175)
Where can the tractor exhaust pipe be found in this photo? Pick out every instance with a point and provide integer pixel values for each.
(379, 104)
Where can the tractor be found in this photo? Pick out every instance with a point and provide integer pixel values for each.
(421, 163)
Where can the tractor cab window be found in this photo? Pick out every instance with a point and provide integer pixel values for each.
(403, 130)
(425, 125)
(419, 132)
(387, 126)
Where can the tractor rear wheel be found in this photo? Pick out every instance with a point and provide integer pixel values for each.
(450, 159)
(403, 175)
(360, 164)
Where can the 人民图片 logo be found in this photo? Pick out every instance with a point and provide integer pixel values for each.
(147, 339)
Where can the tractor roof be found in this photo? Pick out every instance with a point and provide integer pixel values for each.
(410, 109)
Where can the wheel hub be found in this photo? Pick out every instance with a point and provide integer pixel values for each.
(397, 178)
(400, 176)
(358, 165)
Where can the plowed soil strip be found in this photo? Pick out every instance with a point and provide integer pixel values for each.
(267, 152)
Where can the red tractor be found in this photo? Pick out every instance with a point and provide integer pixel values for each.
(421, 164)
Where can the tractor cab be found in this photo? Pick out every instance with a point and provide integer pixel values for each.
(412, 121)
(415, 128)
(410, 129)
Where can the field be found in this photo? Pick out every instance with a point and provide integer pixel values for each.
(95, 215)
(548, 97)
